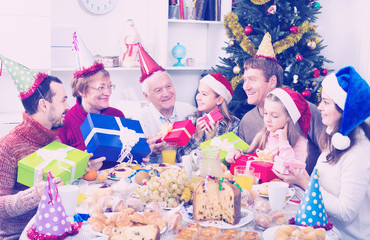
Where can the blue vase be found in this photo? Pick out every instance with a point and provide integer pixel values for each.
(178, 52)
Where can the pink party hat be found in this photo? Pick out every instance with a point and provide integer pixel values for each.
(51, 219)
(86, 63)
(312, 211)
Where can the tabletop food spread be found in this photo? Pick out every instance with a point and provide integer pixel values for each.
(159, 201)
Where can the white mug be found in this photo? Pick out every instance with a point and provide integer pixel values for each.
(69, 197)
(277, 194)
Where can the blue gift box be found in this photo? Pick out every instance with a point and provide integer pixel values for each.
(102, 135)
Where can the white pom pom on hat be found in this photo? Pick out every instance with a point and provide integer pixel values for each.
(340, 142)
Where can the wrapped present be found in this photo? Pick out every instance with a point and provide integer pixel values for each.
(281, 164)
(117, 139)
(264, 168)
(63, 161)
(214, 116)
(241, 161)
(226, 142)
(178, 132)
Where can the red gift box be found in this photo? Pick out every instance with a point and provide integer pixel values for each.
(214, 116)
(179, 132)
(241, 161)
(265, 169)
(260, 166)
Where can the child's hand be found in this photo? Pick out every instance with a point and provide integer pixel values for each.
(200, 125)
(234, 154)
(283, 133)
(211, 130)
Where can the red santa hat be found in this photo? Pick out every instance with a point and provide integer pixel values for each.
(147, 64)
(220, 85)
(296, 106)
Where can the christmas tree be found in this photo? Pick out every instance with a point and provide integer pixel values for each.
(296, 43)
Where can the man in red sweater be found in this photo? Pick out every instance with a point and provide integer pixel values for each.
(44, 99)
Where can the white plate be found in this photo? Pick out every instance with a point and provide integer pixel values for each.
(269, 234)
(247, 217)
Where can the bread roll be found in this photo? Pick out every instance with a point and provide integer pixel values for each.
(147, 232)
(250, 236)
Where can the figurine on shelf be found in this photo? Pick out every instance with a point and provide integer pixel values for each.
(130, 40)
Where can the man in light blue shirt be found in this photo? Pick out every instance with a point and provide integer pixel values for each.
(162, 107)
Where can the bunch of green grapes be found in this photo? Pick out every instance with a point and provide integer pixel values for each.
(168, 187)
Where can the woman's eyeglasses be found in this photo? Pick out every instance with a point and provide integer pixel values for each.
(110, 87)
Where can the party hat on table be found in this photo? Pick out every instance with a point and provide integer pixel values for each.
(147, 64)
(51, 219)
(25, 80)
(312, 211)
(265, 48)
(86, 63)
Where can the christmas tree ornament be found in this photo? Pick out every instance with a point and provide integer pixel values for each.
(324, 72)
(265, 49)
(298, 57)
(311, 44)
(306, 94)
(272, 9)
(314, 83)
(295, 78)
(315, 73)
(248, 30)
(236, 69)
(316, 5)
(231, 42)
(294, 29)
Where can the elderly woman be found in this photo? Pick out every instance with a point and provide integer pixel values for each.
(344, 164)
(92, 88)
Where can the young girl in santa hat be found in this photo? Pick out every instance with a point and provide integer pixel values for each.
(214, 91)
(280, 137)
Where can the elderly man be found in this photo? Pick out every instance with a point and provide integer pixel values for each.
(262, 75)
(45, 101)
(162, 107)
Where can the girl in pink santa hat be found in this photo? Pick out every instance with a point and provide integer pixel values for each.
(214, 92)
(280, 138)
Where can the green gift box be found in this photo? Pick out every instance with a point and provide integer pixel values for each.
(226, 142)
(63, 161)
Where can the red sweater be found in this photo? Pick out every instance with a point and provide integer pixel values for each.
(18, 203)
(70, 133)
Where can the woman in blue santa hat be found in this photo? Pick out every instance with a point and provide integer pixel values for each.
(344, 164)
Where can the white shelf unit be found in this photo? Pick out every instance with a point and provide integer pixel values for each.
(203, 40)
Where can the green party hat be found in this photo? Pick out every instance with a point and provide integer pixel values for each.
(24, 79)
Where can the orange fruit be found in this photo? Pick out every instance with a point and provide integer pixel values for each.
(90, 175)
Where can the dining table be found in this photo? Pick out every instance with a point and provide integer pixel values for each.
(247, 222)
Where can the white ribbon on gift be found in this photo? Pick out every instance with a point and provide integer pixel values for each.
(224, 144)
(128, 137)
(59, 155)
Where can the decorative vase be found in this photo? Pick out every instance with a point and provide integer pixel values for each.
(178, 52)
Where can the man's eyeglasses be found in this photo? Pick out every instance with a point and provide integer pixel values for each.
(102, 88)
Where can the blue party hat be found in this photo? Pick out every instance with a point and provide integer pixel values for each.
(312, 212)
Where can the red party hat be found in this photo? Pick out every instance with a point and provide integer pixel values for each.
(147, 63)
